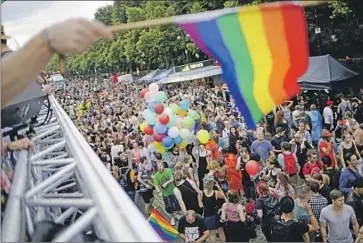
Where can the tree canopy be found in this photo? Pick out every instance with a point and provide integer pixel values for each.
(166, 46)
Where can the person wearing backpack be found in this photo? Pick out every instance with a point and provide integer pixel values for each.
(288, 162)
(286, 229)
(127, 178)
(267, 207)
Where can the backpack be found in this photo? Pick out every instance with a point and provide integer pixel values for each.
(290, 164)
(271, 206)
(281, 231)
(123, 178)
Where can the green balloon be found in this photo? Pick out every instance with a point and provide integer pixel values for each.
(160, 97)
(188, 122)
(172, 121)
(174, 108)
(193, 114)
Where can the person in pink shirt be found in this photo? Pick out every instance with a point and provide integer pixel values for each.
(136, 152)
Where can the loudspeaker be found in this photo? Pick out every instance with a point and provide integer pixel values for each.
(23, 107)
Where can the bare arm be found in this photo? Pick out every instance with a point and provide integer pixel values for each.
(223, 216)
(241, 212)
(323, 231)
(355, 226)
(30, 60)
(192, 183)
(204, 237)
(200, 201)
(178, 196)
(341, 156)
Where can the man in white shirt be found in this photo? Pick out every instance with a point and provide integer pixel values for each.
(328, 116)
(115, 149)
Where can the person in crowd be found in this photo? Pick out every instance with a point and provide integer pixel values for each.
(358, 136)
(127, 175)
(326, 147)
(316, 124)
(328, 116)
(324, 189)
(270, 173)
(278, 139)
(283, 187)
(286, 229)
(115, 150)
(233, 138)
(349, 174)
(338, 217)
(191, 228)
(312, 163)
(355, 199)
(317, 203)
(266, 206)
(208, 200)
(146, 190)
(235, 215)
(164, 184)
(186, 192)
(303, 132)
(347, 146)
(202, 156)
(301, 148)
(186, 168)
(330, 171)
(281, 121)
(288, 162)
(261, 146)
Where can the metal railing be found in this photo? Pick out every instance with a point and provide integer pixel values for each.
(64, 181)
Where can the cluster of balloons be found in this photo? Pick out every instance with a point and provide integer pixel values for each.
(168, 125)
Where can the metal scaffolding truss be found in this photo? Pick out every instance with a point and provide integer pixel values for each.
(65, 182)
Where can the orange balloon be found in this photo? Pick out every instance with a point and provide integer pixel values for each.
(181, 112)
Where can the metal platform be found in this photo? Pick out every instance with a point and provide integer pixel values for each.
(64, 181)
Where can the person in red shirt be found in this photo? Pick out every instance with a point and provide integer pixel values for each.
(326, 147)
(312, 163)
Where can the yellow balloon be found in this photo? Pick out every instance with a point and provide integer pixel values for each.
(161, 150)
(181, 112)
(183, 144)
(143, 126)
(203, 136)
(158, 145)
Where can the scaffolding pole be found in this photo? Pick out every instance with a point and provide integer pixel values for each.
(65, 181)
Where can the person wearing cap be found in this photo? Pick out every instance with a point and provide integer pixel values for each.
(68, 37)
(328, 116)
(288, 230)
(326, 147)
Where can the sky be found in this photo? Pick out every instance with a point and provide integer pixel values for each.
(24, 19)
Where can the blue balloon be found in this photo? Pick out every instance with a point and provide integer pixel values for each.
(178, 140)
(167, 141)
(151, 105)
(170, 147)
(160, 128)
(184, 105)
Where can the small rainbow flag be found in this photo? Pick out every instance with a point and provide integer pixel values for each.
(262, 49)
(162, 226)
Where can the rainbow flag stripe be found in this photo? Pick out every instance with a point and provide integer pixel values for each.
(162, 226)
(262, 49)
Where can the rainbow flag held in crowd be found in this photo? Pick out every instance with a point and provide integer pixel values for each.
(263, 50)
(162, 226)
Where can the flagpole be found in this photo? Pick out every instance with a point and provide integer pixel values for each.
(169, 20)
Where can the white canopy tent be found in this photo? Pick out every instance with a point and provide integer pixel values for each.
(193, 74)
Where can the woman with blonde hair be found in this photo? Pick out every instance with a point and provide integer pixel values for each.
(207, 200)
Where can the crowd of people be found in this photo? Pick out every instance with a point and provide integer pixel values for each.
(309, 186)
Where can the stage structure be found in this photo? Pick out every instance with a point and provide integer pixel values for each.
(66, 183)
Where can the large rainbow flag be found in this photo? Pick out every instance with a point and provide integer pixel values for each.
(262, 49)
(162, 226)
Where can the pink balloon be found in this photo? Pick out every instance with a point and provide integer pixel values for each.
(179, 122)
(147, 96)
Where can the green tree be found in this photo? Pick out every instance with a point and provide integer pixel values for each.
(104, 14)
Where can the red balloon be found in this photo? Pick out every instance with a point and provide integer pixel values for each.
(143, 92)
(252, 167)
(164, 119)
(159, 108)
(148, 130)
(158, 137)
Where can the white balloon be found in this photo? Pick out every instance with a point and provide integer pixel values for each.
(168, 111)
(184, 133)
(173, 132)
(154, 87)
(191, 138)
